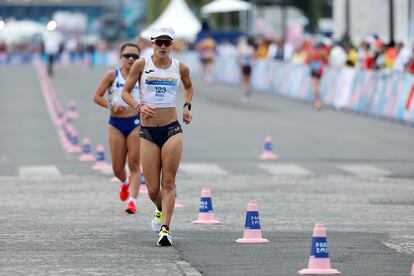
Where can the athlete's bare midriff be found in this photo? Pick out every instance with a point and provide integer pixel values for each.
(129, 112)
(163, 116)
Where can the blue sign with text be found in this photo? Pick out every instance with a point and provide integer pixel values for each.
(319, 247)
(252, 220)
(205, 205)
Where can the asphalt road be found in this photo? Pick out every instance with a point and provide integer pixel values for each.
(353, 173)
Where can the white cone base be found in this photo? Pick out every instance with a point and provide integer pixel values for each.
(268, 156)
(252, 240)
(178, 205)
(101, 166)
(210, 221)
(143, 189)
(86, 158)
(73, 114)
(310, 271)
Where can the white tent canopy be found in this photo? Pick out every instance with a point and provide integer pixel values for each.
(220, 6)
(179, 17)
(16, 32)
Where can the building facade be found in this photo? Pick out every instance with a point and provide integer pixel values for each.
(373, 17)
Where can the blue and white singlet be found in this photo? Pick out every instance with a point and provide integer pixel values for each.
(115, 91)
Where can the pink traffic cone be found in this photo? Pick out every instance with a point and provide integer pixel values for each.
(252, 231)
(267, 153)
(86, 151)
(319, 262)
(100, 163)
(74, 146)
(73, 113)
(64, 136)
(177, 204)
(206, 214)
(69, 130)
(143, 187)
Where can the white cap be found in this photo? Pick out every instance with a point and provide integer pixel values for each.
(158, 31)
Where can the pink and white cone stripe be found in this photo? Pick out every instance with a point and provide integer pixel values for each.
(252, 230)
(319, 262)
(206, 214)
(143, 186)
(86, 151)
(73, 113)
(74, 146)
(100, 163)
(268, 150)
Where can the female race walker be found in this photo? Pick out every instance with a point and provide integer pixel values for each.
(161, 133)
(123, 125)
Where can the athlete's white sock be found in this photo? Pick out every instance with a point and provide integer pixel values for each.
(132, 199)
(126, 180)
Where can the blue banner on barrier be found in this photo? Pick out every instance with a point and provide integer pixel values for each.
(373, 92)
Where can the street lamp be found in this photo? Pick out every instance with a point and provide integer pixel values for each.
(391, 20)
(51, 26)
(347, 35)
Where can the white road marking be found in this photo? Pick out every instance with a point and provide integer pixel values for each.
(363, 170)
(284, 169)
(202, 169)
(4, 159)
(39, 171)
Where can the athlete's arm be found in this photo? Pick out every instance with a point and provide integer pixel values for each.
(102, 88)
(188, 91)
(134, 73)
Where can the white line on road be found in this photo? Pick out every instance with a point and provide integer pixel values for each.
(364, 170)
(202, 169)
(4, 159)
(284, 169)
(38, 171)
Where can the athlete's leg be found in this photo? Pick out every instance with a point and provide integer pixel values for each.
(316, 92)
(171, 156)
(151, 165)
(117, 145)
(133, 146)
(248, 88)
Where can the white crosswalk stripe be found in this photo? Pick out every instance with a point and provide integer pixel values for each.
(284, 169)
(202, 169)
(363, 170)
(39, 171)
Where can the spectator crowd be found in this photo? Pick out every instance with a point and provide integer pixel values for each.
(371, 54)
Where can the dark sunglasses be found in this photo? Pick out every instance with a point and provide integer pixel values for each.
(166, 42)
(127, 56)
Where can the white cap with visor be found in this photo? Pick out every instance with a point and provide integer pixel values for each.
(158, 31)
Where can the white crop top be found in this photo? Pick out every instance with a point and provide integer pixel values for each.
(115, 91)
(159, 86)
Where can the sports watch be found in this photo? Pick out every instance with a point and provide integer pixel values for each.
(187, 104)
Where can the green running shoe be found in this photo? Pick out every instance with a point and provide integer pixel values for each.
(156, 221)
